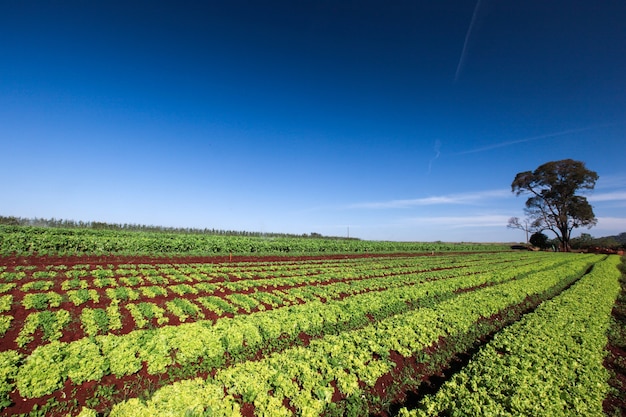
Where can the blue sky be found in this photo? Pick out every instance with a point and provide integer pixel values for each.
(404, 120)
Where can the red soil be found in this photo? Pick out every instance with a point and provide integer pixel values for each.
(42, 261)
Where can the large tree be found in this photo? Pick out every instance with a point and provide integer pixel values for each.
(553, 203)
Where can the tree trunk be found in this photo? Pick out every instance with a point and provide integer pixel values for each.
(565, 239)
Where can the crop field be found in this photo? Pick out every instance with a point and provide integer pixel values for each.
(23, 240)
(353, 335)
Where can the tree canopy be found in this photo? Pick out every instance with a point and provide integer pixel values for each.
(553, 203)
(539, 240)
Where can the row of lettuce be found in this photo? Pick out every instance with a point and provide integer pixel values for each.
(550, 363)
(353, 340)
(153, 296)
(21, 240)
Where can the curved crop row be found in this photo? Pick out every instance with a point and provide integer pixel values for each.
(547, 364)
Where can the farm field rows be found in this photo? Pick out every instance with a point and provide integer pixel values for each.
(548, 363)
(336, 336)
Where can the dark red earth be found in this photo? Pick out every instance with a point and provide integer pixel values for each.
(69, 261)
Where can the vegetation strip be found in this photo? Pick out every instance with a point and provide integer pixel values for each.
(27, 240)
(549, 363)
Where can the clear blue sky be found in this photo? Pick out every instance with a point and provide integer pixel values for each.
(401, 120)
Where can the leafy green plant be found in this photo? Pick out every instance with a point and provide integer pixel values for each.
(114, 318)
(104, 282)
(182, 289)
(122, 294)
(43, 371)
(94, 321)
(153, 291)
(12, 276)
(132, 281)
(216, 304)
(84, 361)
(78, 297)
(5, 302)
(184, 309)
(243, 301)
(37, 285)
(51, 323)
(5, 323)
(9, 361)
(74, 283)
(136, 313)
(121, 353)
(41, 301)
(44, 274)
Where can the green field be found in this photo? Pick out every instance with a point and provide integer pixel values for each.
(154, 323)
(26, 240)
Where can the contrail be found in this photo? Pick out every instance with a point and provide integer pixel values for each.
(459, 67)
(529, 139)
(437, 153)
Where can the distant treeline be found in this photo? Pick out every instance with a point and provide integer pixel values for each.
(71, 224)
(586, 241)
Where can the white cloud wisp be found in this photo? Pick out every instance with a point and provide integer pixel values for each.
(451, 199)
